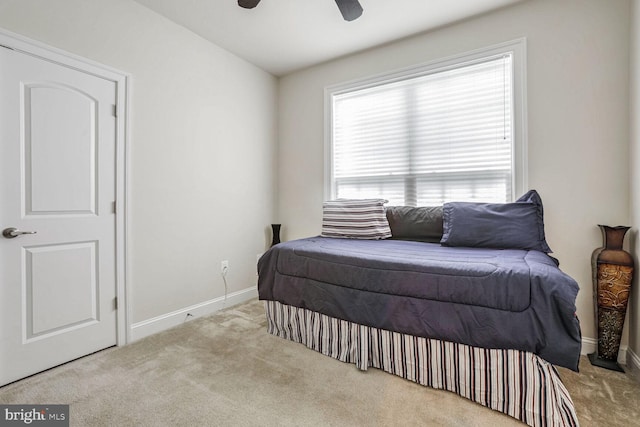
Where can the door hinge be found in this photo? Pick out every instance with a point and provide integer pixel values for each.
(113, 207)
(114, 109)
(115, 303)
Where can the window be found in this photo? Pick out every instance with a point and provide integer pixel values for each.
(440, 132)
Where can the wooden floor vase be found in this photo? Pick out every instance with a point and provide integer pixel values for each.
(612, 276)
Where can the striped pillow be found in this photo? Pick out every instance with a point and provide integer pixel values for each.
(355, 219)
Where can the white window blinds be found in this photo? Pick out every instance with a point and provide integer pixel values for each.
(425, 140)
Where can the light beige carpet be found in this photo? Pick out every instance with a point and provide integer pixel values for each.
(225, 370)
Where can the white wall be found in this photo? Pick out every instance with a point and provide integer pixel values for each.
(634, 114)
(578, 121)
(203, 146)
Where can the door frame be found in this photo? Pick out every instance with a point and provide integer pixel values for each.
(122, 81)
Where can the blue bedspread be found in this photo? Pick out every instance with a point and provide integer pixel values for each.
(505, 299)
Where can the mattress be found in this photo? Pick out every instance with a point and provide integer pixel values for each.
(489, 298)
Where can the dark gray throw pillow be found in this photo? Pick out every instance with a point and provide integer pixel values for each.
(422, 224)
(518, 225)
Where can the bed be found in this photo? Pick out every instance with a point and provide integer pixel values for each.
(463, 312)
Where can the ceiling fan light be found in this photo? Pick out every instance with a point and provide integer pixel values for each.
(248, 4)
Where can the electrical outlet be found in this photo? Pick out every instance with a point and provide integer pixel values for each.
(224, 267)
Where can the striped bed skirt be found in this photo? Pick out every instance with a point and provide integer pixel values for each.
(517, 383)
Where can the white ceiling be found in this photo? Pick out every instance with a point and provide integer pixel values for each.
(281, 36)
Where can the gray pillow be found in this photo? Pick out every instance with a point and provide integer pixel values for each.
(422, 224)
(518, 225)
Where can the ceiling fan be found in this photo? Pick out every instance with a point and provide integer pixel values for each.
(350, 9)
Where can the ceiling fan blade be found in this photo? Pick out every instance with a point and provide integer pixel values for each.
(350, 9)
(248, 4)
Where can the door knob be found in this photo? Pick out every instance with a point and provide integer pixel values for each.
(12, 232)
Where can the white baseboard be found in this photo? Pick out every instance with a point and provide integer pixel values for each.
(589, 345)
(633, 363)
(166, 321)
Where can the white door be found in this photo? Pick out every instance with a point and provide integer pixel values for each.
(57, 180)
